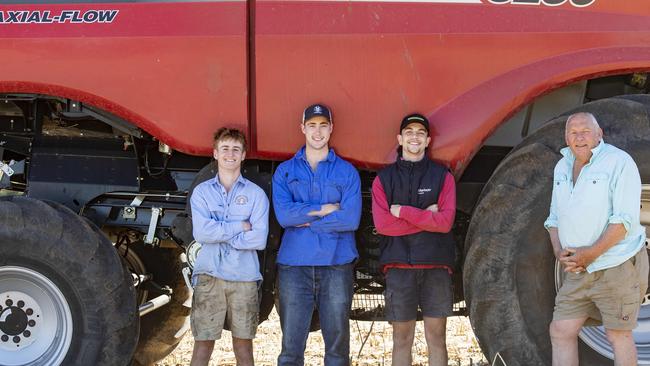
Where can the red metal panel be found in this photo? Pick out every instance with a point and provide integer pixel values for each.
(467, 66)
(178, 70)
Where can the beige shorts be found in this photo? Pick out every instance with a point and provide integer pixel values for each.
(216, 303)
(610, 297)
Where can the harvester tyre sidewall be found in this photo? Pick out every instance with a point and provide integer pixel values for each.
(53, 241)
(509, 268)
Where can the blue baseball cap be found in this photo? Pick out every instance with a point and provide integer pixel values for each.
(316, 110)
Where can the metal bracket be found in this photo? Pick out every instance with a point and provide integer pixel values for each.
(129, 212)
(186, 271)
(156, 212)
(78, 109)
(164, 148)
(137, 201)
(5, 174)
(17, 166)
(6, 169)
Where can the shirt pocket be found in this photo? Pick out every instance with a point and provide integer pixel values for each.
(240, 211)
(561, 191)
(596, 187)
(332, 192)
(299, 189)
(217, 211)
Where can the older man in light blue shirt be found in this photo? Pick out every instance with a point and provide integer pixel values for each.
(596, 235)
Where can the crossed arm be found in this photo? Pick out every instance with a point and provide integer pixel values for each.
(397, 220)
(255, 237)
(328, 217)
(243, 235)
(205, 229)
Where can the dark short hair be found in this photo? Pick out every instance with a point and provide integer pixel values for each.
(225, 133)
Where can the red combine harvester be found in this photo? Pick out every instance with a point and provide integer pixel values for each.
(107, 110)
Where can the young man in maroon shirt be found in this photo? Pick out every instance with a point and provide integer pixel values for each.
(413, 207)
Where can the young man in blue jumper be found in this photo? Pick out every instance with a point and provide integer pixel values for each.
(317, 200)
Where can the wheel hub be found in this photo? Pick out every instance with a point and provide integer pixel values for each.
(35, 319)
(15, 321)
(18, 320)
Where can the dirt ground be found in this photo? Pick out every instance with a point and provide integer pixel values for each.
(462, 346)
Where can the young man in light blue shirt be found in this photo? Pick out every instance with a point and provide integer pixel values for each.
(596, 235)
(230, 218)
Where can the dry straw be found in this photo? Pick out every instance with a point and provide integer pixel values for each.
(370, 345)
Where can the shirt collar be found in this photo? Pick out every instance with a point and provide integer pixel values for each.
(567, 153)
(331, 155)
(240, 180)
(408, 163)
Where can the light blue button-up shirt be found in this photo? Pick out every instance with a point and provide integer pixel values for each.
(227, 251)
(607, 191)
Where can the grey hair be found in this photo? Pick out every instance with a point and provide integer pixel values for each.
(585, 115)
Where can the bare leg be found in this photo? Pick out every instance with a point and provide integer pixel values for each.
(403, 334)
(202, 352)
(564, 339)
(624, 347)
(243, 349)
(435, 334)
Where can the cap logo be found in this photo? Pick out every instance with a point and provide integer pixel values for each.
(414, 117)
(318, 109)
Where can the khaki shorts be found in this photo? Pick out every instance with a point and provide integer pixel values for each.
(610, 297)
(217, 302)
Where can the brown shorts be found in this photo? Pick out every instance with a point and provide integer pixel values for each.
(610, 297)
(217, 302)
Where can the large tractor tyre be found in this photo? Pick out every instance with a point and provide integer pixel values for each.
(162, 329)
(65, 296)
(509, 272)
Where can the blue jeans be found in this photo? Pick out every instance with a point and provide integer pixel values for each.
(326, 288)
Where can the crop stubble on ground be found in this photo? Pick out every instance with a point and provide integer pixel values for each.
(462, 346)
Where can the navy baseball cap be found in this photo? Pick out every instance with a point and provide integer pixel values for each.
(414, 118)
(316, 110)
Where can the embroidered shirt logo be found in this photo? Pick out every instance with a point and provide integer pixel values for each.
(424, 190)
(241, 200)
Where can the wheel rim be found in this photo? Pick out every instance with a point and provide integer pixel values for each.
(35, 319)
(136, 267)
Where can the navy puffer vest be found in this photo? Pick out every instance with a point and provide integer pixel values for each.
(416, 184)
